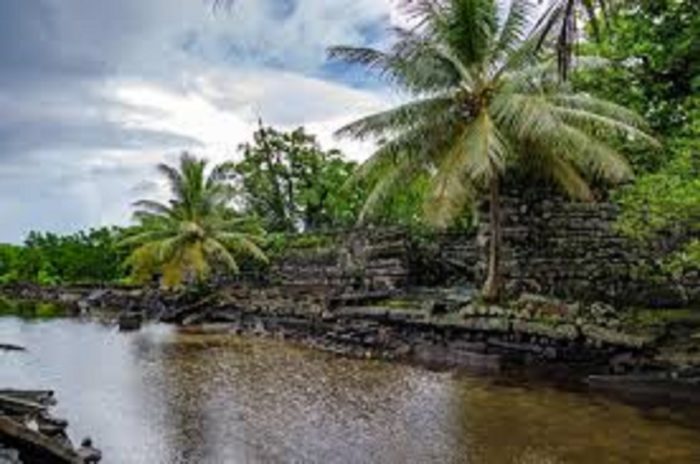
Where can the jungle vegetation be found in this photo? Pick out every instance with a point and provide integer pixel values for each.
(486, 104)
(195, 233)
(575, 97)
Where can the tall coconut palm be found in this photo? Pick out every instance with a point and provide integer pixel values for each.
(484, 107)
(194, 232)
(562, 23)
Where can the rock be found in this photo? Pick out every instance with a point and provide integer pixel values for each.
(599, 335)
(9, 456)
(88, 453)
(557, 332)
(130, 321)
(622, 363)
(658, 386)
(486, 324)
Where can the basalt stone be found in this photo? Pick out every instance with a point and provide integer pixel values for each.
(599, 335)
(130, 321)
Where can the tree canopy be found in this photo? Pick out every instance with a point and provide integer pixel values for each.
(195, 233)
(292, 184)
(485, 105)
(47, 258)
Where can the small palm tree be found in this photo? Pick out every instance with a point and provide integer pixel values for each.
(196, 231)
(485, 106)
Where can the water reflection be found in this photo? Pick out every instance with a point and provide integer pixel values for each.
(157, 396)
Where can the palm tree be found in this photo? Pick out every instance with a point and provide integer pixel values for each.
(563, 21)
(196, 231)
(485, 106)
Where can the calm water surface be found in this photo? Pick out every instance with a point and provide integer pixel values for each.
(158, 396)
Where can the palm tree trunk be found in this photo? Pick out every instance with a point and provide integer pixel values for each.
(492, 287)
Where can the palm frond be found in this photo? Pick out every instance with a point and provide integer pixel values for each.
(413, 114)
(153, 208)
(515, 28)
(220, 254)
(586, 119)
(387, 184)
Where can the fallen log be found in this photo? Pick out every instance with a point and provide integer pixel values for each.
(34, 446)
(38, 396)
(11, 347)
(18, 406)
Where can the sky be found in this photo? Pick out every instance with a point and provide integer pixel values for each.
(95, 93)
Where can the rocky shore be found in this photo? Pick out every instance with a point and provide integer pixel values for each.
(447, 327)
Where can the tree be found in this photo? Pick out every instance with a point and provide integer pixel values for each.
(47, 258)
(563, 22)
(9, 262)
(663, 84)
(486, 107)
(194, 232)
(290, 182)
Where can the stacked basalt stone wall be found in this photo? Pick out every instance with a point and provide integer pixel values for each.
(572, 250)
(363, 259)
(445, 259)
(552, 246)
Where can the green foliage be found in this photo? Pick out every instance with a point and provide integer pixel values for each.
(664, 203)
(665, 200)
(287, 244)
(485, 105)
(193, 235)
(560, 25)
(48, 259)
(654, 49)
(286, 179)
(30, 309)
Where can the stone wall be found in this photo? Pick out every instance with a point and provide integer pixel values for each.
(445, 259)
(572, 250)
(552, 246)
(372, 259)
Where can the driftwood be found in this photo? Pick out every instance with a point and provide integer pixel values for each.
(45, 397)
(27, 427)
(11, 347)
(12, 405)
(34, 446)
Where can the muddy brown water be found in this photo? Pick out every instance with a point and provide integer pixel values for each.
(159, 396)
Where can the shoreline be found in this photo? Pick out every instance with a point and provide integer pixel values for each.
(443, 328)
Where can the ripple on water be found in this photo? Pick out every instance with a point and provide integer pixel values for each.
(158, 396)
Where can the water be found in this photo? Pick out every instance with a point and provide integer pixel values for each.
(158, 396)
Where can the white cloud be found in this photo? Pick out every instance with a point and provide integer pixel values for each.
(118, 86)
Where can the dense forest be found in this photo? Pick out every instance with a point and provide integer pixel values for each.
(285, 184)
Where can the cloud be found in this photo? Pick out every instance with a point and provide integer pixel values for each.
(94, 93)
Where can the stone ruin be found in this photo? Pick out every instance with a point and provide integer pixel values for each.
(552, 246)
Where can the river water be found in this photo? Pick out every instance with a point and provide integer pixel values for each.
(159, 396)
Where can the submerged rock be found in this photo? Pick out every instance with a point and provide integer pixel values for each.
(130, 321)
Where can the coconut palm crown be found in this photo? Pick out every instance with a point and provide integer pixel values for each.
(563, 21)
(194, 232)
(484, 105)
